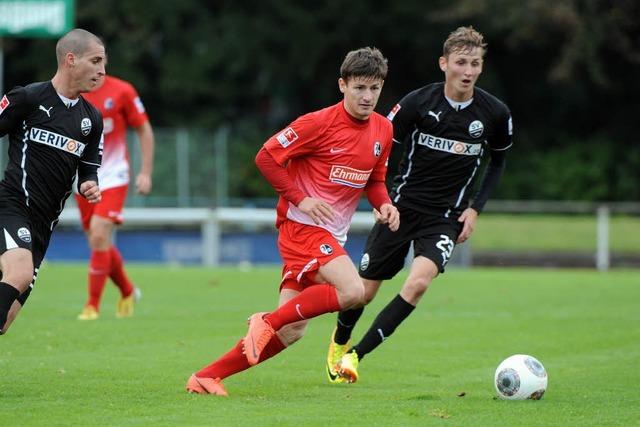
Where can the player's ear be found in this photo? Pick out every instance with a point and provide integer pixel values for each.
(443, 63)
(342, 85)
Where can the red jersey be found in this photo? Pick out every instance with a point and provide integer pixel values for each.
(331, 155)
(121, 108)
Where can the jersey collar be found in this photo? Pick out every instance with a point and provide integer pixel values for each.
(352, 120)
(458, 105)
(68, 102)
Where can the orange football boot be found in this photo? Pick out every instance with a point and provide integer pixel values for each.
(206, 386)
(257, 338)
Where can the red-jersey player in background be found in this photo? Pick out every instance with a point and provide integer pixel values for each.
(121, 108)
(320, 165)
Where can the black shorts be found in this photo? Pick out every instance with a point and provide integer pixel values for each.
(433, 237)
(17, 230)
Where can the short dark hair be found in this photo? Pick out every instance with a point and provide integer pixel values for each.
(75, 41)
(364, 62)
(464, 39)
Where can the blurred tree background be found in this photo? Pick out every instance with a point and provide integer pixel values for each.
(567, 69)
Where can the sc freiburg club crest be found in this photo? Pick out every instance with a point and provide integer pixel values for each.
(326, 249)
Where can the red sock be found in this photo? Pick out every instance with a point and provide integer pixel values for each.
(311, 302)
(118, 274)
(235, 361)
(99, 267)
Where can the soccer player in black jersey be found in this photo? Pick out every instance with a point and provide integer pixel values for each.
(445, 129)
(53, 133)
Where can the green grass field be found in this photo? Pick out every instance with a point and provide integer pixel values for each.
(584, 326)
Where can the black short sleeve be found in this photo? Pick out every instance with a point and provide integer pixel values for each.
(403, 116)
(14, 107)
(503, 137)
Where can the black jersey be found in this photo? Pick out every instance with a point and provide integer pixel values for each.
(48, 143)
(444, 146)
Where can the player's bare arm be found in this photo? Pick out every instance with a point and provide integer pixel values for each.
(320, 211)
(90, 191)
(143, 180)
(469, 217)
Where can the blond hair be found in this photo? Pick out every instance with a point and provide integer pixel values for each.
(464, 39)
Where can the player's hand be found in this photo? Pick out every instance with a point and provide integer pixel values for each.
(320, 211)
(143, 183)
(388, 215)
(469, 217)
(377, 216)
(90, 191)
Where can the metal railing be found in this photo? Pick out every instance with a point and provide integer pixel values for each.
(212, 221)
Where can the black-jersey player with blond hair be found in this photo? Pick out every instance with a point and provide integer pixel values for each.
(445, 129)
(53, 133)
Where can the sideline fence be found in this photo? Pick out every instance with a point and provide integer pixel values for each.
(212, 222)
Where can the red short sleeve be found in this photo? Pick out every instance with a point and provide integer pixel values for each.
(297, 139)
(134, 111)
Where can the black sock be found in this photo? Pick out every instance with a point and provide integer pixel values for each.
(8, 295)
(383, 326)
(347, 320)
(22, 299)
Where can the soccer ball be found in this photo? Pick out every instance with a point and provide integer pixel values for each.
(520, 377)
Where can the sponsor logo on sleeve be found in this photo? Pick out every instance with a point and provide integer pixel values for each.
(107, 125)
(85, 126)
(287, 137)
(139, 105)
(4, 103)
(55, 140)
(350, 177)
(449, 145)
(394, 111)
(476, 128)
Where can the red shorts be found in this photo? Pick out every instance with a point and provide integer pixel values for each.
(109, 207)
(304, 248)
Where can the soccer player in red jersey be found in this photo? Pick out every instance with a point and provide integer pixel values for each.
(121, 108)
(320, 165)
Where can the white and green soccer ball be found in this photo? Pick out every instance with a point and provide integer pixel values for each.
(520, 377)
